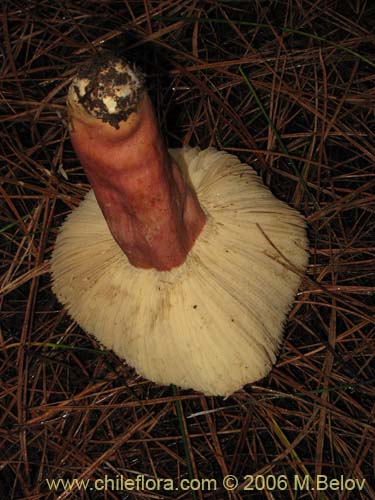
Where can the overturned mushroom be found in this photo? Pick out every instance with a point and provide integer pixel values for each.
(181, 261)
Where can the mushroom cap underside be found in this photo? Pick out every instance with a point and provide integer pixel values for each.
(212, 324)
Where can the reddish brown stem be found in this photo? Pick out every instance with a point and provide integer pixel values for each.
(151, 211)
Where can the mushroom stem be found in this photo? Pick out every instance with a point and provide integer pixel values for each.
(151, 211)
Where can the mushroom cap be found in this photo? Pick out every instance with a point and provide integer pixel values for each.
(212, 324)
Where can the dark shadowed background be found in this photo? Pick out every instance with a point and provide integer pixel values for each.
(288, 86)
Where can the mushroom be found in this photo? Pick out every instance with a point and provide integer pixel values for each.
(181, 261)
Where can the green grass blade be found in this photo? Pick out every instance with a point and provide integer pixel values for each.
(279, 140)
(180, 417)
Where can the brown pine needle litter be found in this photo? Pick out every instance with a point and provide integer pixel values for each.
(288, 87)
